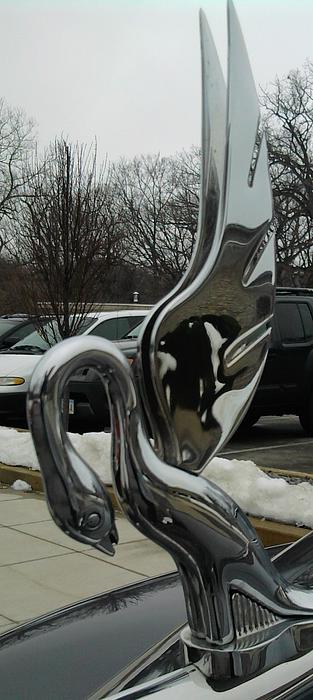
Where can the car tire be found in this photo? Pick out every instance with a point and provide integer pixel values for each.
(248, 421)
(306, 418)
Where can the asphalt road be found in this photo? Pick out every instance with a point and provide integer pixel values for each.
(274, 442)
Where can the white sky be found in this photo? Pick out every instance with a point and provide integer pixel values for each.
(128, 71)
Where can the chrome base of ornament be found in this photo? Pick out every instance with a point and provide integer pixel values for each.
(256, 653)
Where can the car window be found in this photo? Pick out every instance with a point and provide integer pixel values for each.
(125, 324)
(307, 320)
(6, 326)
(115, 328)
(289, 322)
(18, 331)
(107, 329)
(22, 330)
(134, 333)
(47, 336)
(42, 338)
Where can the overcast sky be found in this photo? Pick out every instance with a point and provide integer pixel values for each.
(128, 71)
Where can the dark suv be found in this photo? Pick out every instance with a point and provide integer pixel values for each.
(286, 385)
(87, 393)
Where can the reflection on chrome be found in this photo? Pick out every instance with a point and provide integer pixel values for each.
(200, 356)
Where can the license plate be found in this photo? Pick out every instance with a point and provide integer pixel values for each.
(71, 406)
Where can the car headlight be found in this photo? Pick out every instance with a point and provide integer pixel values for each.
(11, 381)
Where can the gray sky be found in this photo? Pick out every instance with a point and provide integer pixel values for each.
(128, 71)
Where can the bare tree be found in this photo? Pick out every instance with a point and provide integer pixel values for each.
(158, 200)
(66, 235)
(16, 145)
(183, 207)
(288, 119)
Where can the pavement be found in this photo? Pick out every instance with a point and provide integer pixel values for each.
(42, 569)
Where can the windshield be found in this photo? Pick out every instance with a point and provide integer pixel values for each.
(46, 336)
(134, 333)
(6, 326)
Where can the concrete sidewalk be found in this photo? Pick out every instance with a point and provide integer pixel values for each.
(42, 569)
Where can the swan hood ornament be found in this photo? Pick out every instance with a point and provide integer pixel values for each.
(200, 356)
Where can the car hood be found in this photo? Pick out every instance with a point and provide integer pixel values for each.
(17, 365)
(72, 653)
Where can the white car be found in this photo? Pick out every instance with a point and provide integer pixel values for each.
(17, 363)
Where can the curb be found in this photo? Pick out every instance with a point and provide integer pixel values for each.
(270, 532)
(9, 474)
(286, 472)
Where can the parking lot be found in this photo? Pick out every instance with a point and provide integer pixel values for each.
(274, 442)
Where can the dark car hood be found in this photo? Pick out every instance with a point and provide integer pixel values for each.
(75, 651)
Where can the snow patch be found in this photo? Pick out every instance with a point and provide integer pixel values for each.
(261, 495)
(17, 449)
(255, 492)
(20, 485)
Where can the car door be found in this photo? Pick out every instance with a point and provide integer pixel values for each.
(291, 352)
(269, 392)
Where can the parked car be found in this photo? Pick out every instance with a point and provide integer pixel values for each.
(87, 393)
(286, 385)
(17, 363)
(14, 328)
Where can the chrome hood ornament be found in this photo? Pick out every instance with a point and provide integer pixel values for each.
(203, 348)
(200, 356)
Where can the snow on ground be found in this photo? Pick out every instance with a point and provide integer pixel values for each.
(255, 492)
(17, 449)
(20, 485)
(261, 495)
